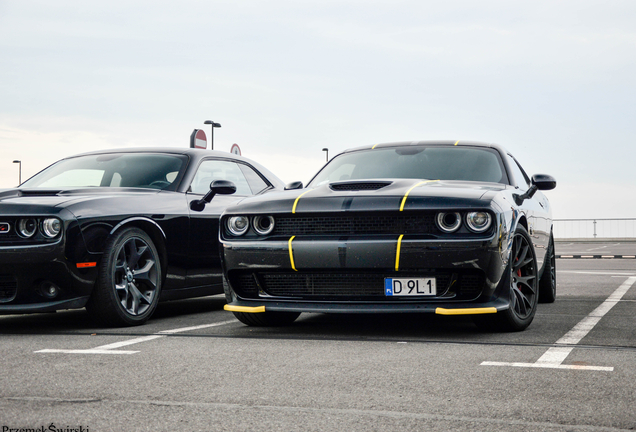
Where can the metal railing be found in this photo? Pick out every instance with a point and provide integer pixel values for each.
(595, 228)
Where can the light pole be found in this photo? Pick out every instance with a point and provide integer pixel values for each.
(19, 171)
(327, 154)
(213, 125)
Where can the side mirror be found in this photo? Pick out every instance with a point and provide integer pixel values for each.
(221, 187)
(544, 181)
(294, 185)
(539, 182)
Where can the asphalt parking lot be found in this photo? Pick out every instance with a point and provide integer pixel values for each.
(194, 367)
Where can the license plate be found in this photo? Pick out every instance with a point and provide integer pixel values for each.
(410, 287)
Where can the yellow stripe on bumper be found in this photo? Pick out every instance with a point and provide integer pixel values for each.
(248, 309)
(466, 311)
(397, 253)
(291, 253)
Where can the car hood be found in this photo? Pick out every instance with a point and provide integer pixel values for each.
(380, 195)
(17, 200)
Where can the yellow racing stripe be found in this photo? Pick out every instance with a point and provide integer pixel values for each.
(248, 309)
(296, 202)
(373, 147)
(466, 311)
(291, 254)
(397, 253)
(409, 191)
(457, 142)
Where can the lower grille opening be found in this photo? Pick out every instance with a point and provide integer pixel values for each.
(349, 285)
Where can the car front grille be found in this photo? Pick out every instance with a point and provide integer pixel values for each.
(8, 288)
(349, 285)
(356, 223)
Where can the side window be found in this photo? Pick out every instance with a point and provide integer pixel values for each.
(211, 170)
(520, 177)
(256, 182)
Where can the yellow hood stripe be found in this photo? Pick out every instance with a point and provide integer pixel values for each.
(296, 202)
(291, 253)
(409, 191)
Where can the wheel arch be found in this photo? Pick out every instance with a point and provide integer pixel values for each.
(154, 231)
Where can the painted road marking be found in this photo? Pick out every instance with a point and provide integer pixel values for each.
(598, 273)
(555, 356)
(113, 348)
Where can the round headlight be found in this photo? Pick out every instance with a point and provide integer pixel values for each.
(448, 222)
(27, 227)
(238, 225)
(51, 227)
(478, 221)
(263, 225)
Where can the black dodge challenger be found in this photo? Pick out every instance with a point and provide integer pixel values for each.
(452, 228)
(116, 231)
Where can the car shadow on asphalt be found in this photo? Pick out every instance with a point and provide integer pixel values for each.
(370, 326)
(79, 320)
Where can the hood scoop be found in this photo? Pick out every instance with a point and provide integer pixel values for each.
(39, 192)
(358, 185)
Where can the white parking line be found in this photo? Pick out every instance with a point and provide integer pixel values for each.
(112, 348)
(598, 273)
(554, 357)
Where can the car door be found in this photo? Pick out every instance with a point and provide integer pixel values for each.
(536, 210)
(204, 268)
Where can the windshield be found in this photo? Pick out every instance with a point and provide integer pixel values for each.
(144, 170)
(417, 162)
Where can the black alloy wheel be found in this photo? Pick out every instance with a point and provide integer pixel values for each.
(523, 286)
(547, 283)
(129, 284)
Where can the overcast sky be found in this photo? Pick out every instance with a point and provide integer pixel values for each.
(553, 81)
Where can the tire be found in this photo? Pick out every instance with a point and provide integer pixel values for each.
(523, 286)
(129, 282)
(547, 283)
(267, 319)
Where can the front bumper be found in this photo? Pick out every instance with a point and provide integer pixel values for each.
(27, 272)
(347, 275)
(495, 306)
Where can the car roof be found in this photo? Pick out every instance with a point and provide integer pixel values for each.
(195, 155)
(459, 143)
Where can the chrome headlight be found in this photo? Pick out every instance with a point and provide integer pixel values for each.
(263, 225)
(448, 222)
(478, 221)
(51, 227)
(27, 227)
(238, 225)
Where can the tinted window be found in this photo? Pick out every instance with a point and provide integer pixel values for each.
(418, 162)
(145, 170)
(520, 177)
(211, 170)
(256, 182)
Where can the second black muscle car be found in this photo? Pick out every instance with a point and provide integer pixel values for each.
(116, 231)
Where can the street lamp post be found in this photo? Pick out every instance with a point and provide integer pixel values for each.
(19, 171)
(213, 125)
(326, 150)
